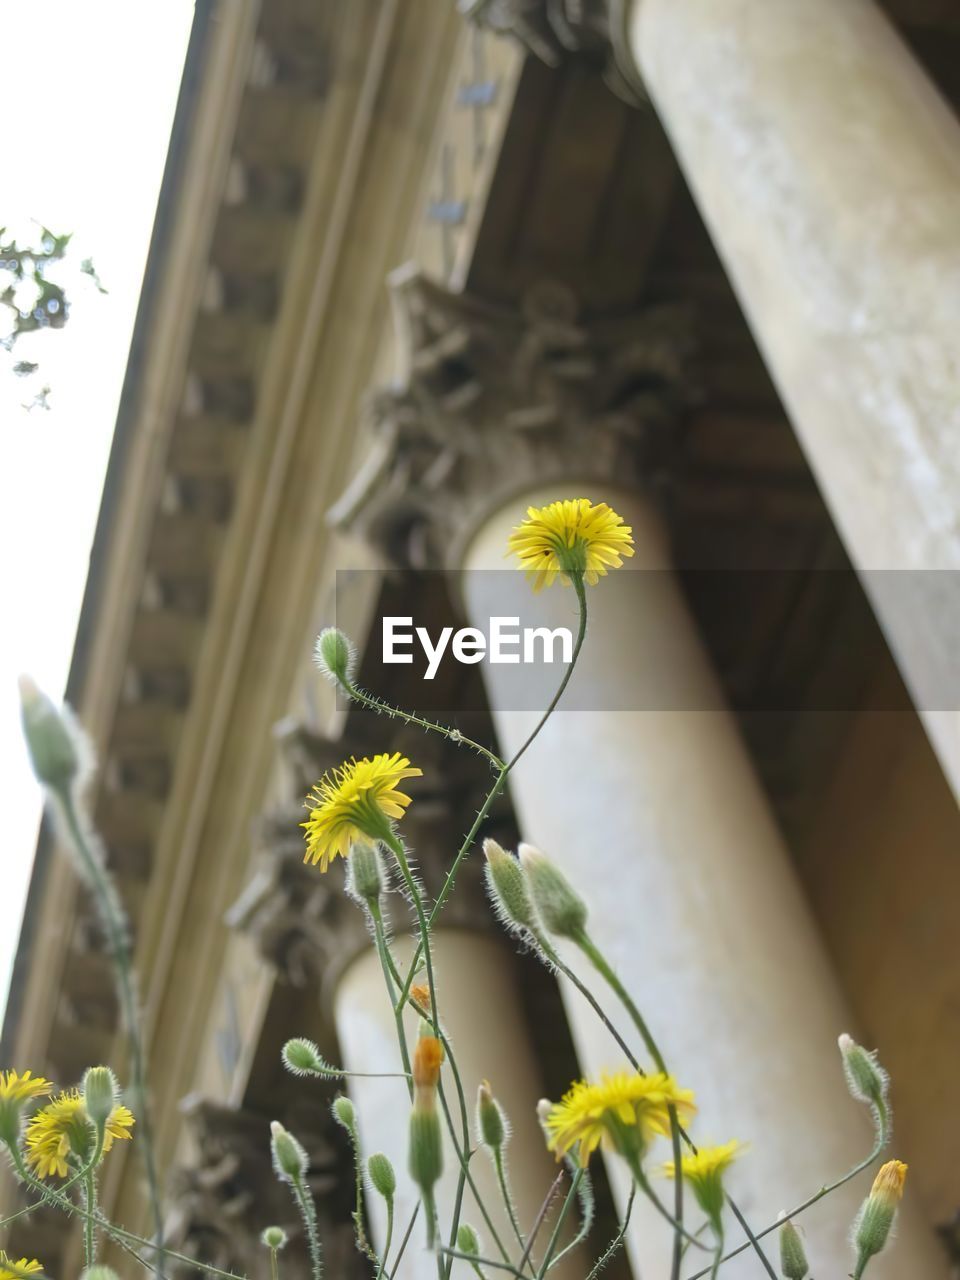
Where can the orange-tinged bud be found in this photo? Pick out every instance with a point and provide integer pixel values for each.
(427, 1059)
(420, 995)
(888, 1184)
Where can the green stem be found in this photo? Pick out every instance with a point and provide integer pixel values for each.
(397, 713)
(558, 1226)
(405, 1241)
(274, 1266)
(115, 928)
(387, 1242)
(718, 1253)
(500, 1167)
(89, 1226)
(617, 1240)
(309, 1215)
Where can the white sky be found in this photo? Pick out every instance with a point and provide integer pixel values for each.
(92, 95)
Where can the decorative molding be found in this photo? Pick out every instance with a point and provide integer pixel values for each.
(592, 31)
(491, 401)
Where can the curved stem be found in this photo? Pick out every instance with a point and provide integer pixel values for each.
(498, 1164)
(387, 1241)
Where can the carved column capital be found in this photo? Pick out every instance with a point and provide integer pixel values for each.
(590, 31)
(491, 401)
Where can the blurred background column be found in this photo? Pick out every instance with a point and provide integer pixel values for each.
(643, 793)
(826, 166)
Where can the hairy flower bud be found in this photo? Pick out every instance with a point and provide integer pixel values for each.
(289, 1158)
(878, 1212)
(100, 1094)
(274, 1238)
(53, 740)
(366, 877)
(491, 1122)
(793, 1258)
(427, 1060)
(335, 656)
(301, 1057)
(382, 1177)
(426, 1148)
(345, 1113)
(560, 907)
(467, 1240)
(507, 889)
(99, 1273)
(866, 1080)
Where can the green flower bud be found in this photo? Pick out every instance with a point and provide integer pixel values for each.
(877, 1214)
(366, 877)
(99, 1273)
(793, 1259)
(382, 1177)
(335, 656)
(274, 1238)
(507, 888)
(867, 1081)
(290, 1161)
(53, 740)
(467, 1240)
(426, 1148)
(301, 1057)
(491, 1122)
(100, 1094)
(560, 907)
(344, 1113)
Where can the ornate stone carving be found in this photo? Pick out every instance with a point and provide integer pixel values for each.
(593, 31)
(223, 1200)
(490, 401)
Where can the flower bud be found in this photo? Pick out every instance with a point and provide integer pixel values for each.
(560, 907)
(301, 1057)
(366, 878)
(491, 1122)
(878, 1212)
(426, 1148)
(100, 1094)
(382, 1177)
(335, 656)
(290, 1161)
(274, 1238)
(793, 1259)
(420, 995)
(427, 1060)
(53, 741)
(866, 1079)
(467, 1240)
(507, 889)
(99, 1273)
(344, 1113)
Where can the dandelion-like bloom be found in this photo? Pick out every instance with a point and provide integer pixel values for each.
(63, 1128)
(623, 1112)
(10, 1270)
(704, 1171)
(356, 801)
(570, 538)
(15, 1091)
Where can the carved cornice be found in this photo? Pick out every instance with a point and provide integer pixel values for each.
(592, 31)
(491, 402)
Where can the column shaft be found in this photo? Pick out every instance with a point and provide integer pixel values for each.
(655, 813)
(827, 168)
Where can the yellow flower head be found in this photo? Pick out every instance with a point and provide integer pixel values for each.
(571, 538)
(889, 1182)
(10, 1270)
(63, 1128)
(624, 1111)
(704, 1171)
(15, 1091)
(356, 801)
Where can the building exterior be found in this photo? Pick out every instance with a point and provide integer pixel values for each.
(412, 269)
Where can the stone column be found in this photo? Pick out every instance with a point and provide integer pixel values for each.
(641, 790)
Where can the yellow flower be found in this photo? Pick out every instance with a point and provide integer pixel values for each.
(889, 1182)
(704, 1171)
(15, 1090)
(570, 538)
(355, 801)
(62, 1128)
(623, 1112)
(10, 1270)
